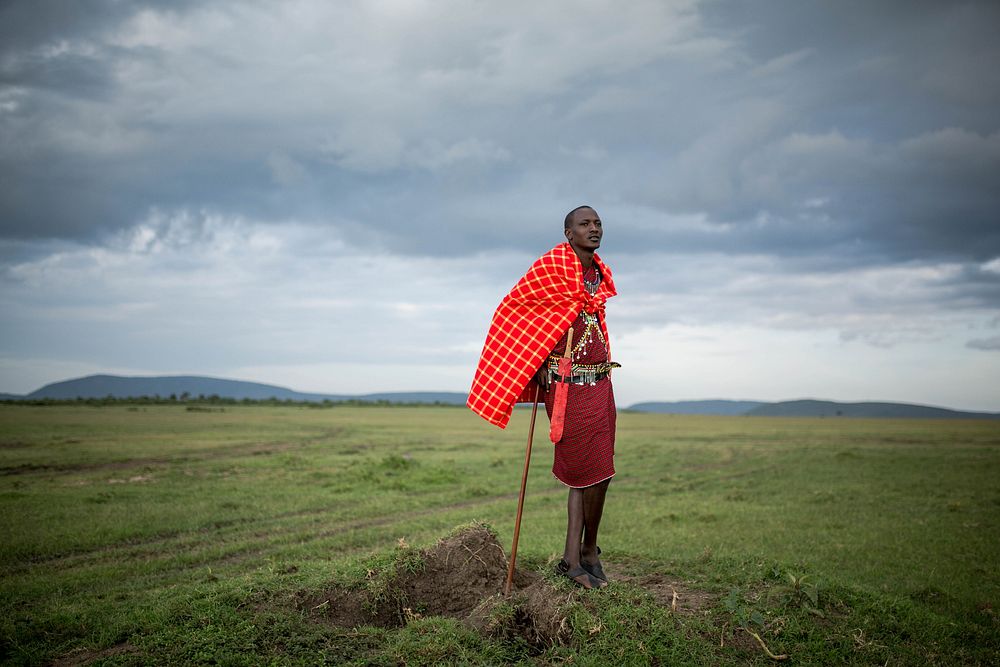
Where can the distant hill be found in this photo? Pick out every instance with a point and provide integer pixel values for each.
(712, 407)
(808, 408)
(101, 386)
(811, 408)
(195, 386)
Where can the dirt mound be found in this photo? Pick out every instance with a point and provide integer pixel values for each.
(533, 613)
(462, 577)
(458, 572)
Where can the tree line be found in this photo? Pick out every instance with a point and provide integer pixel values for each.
(186, 398)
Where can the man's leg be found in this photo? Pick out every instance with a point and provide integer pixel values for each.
(593, 509)
(574, 533)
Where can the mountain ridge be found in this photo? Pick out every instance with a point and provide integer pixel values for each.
(813, 408)
(863, 409)
(199, 386)
(195, 386)
(701, 407)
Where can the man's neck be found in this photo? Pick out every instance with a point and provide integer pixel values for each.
(586, 256)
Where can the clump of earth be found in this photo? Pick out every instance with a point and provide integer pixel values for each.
(462, 577)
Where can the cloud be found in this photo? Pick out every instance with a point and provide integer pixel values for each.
(197, 289)
(292, 110)
(748, 362)
(992, 343)
(782, 63)
(883, 307)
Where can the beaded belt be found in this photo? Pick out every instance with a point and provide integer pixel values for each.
(582, 373)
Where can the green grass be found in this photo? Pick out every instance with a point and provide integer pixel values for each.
(179, 536)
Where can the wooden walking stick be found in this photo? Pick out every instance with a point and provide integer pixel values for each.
(520, 499)
(527, 462)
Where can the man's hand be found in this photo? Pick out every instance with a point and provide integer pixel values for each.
(542, 377)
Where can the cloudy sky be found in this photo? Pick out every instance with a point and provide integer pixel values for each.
(800, 199)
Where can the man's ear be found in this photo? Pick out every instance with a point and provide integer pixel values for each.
(566, 233)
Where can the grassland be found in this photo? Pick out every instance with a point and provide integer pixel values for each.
(170, 535)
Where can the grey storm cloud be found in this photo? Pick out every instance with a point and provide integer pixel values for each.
(992, 343)
(810, 129)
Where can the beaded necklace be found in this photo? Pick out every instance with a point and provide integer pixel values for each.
(592, 325)
(591, 286)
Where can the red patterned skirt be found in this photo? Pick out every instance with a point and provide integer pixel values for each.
(586, 453)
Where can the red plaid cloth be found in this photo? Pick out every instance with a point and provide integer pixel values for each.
(527, 324)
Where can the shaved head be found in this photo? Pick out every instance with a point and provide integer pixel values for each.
(569, 216)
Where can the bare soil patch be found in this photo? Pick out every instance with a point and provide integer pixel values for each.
(84, 656)
(668, 591)
(14, 444)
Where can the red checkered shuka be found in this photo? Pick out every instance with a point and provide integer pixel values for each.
(527, 324)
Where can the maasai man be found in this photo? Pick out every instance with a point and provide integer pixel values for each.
(567, 286)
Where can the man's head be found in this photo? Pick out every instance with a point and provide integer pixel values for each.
(583, 229)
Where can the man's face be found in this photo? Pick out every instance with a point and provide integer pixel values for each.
(585, 231)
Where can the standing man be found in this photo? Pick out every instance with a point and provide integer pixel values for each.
(566, 287)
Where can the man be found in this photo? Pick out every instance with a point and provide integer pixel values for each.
(567, 286)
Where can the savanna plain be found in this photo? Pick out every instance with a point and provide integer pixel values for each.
(198, 533)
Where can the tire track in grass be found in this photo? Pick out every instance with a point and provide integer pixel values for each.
(182, 538)
(188, 538)
(172, 575)
(166, 546)
(241, 449)
(189, 557)
(209, 556)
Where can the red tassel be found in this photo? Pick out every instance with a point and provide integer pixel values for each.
(562, 389)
